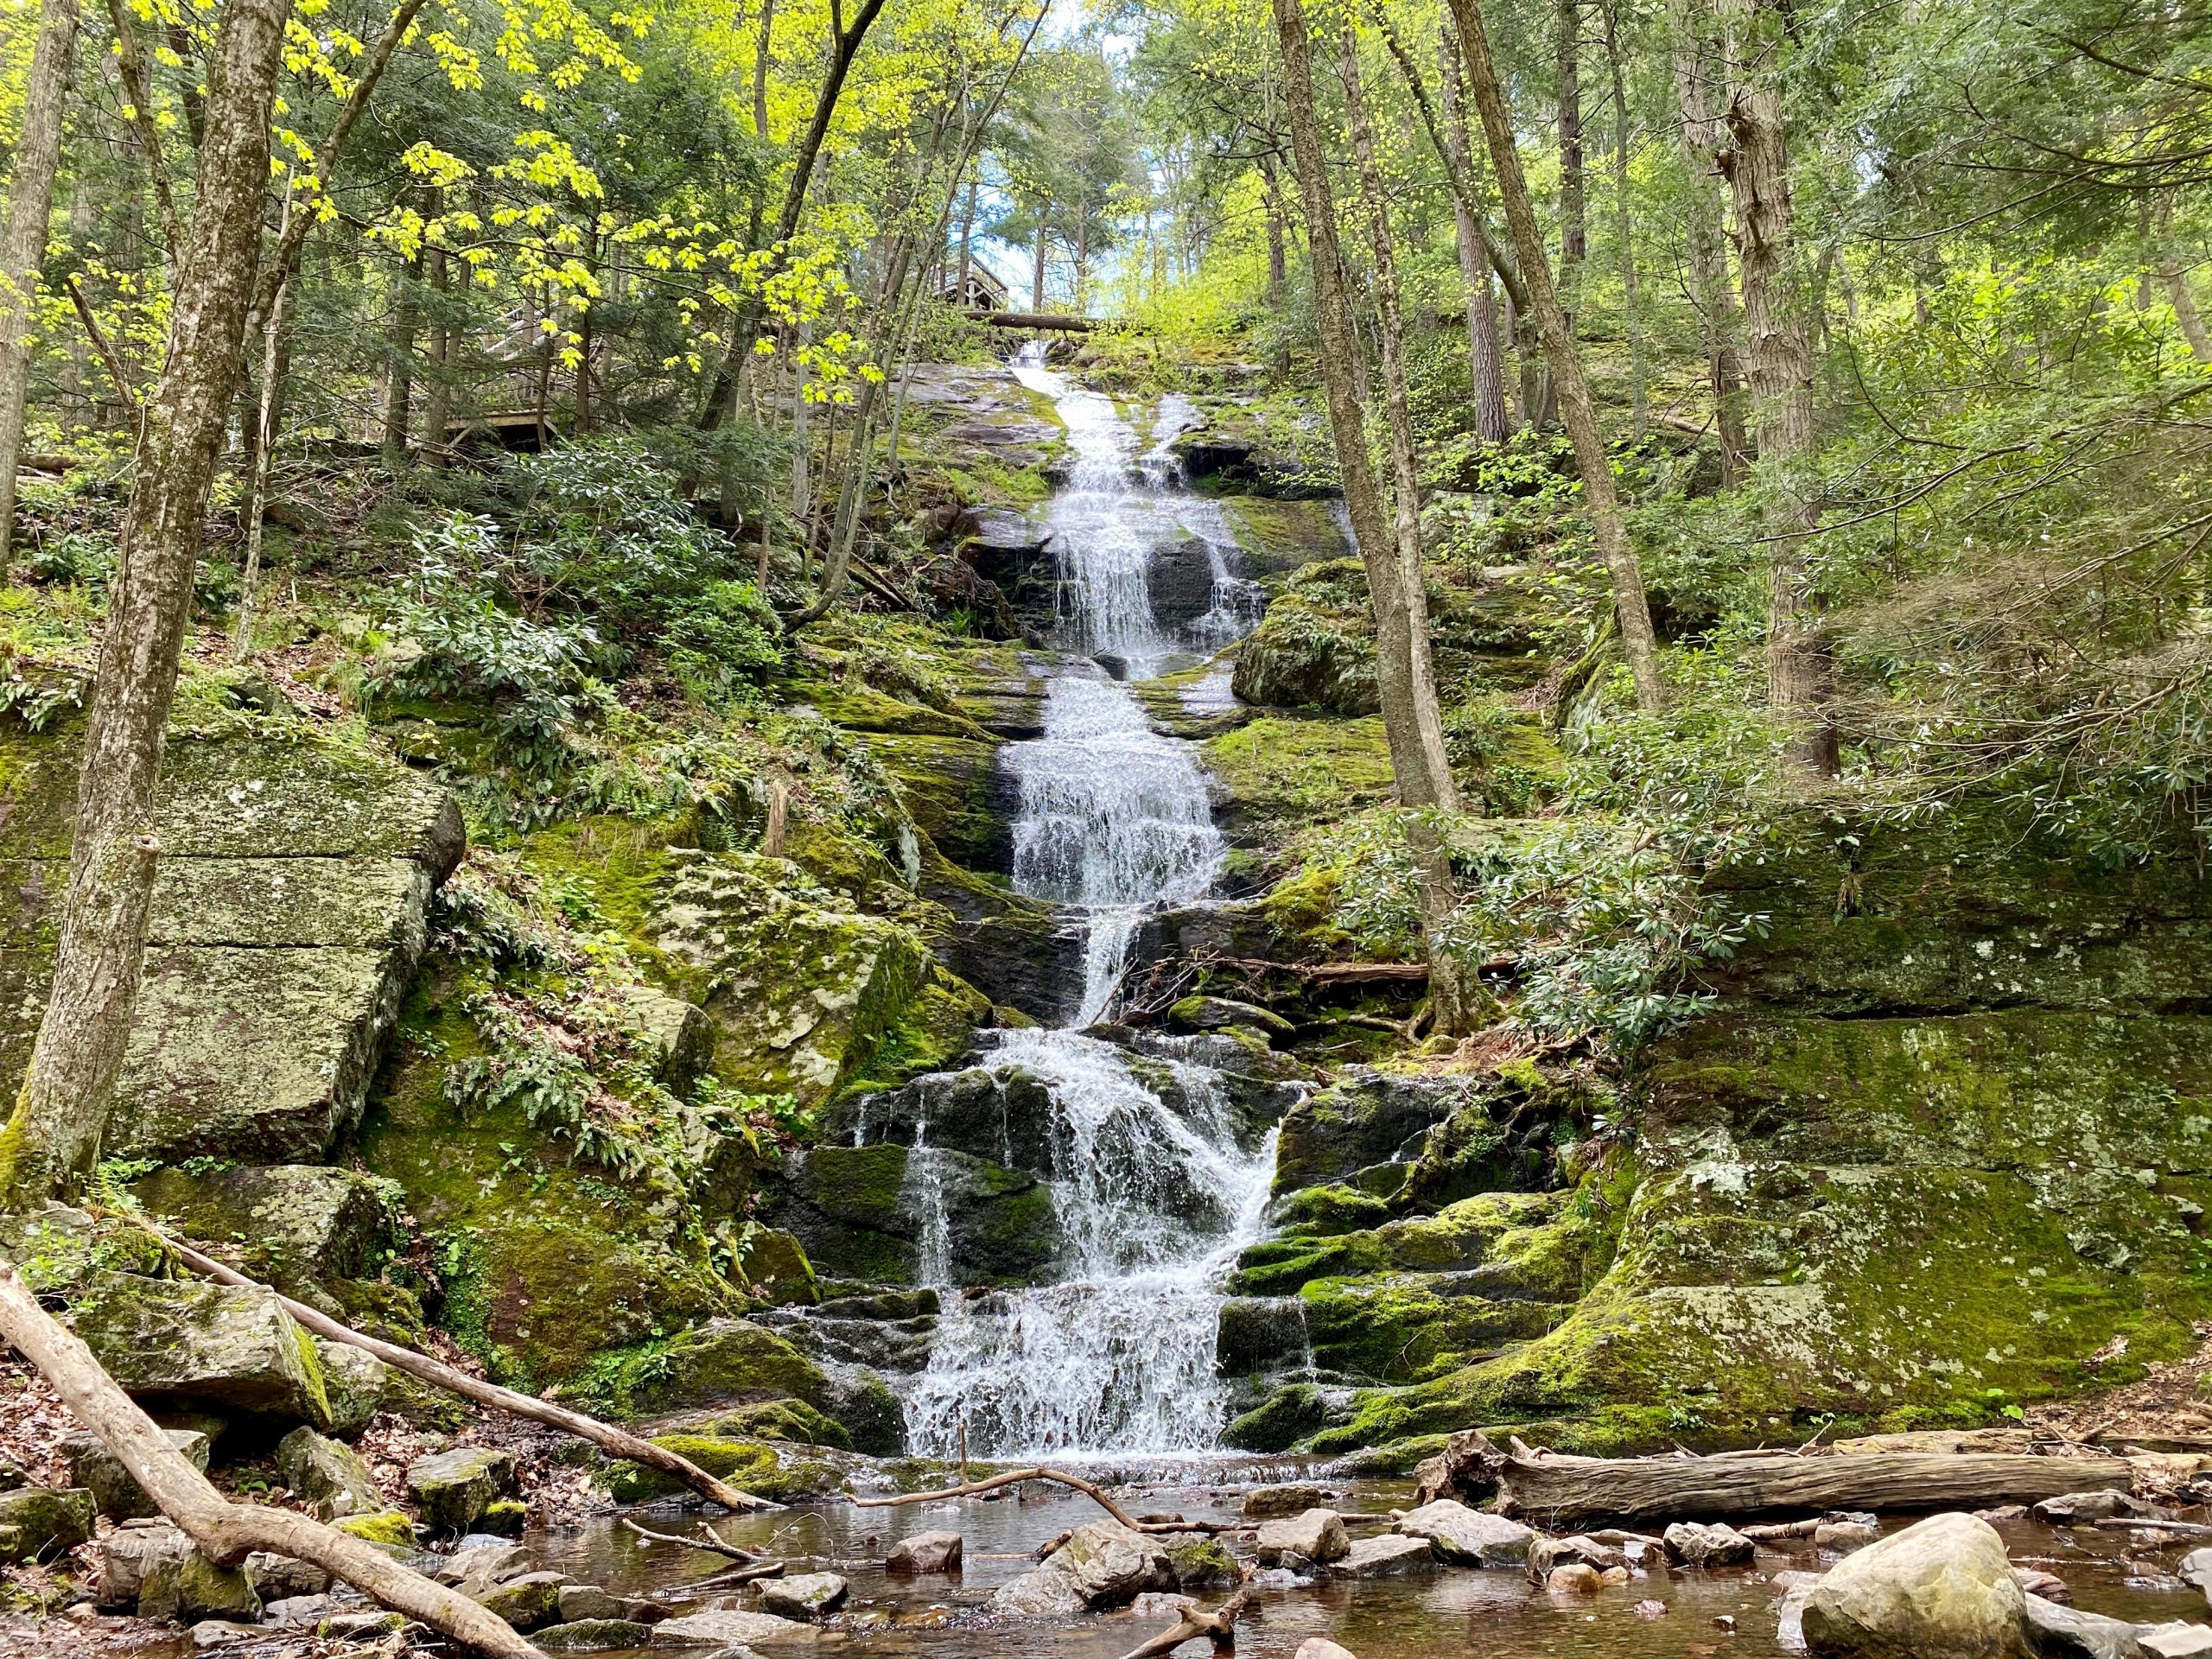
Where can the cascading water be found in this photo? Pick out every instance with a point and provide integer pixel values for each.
(1153, 1190)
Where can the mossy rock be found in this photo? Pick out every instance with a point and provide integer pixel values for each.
(850, 1207)
(1286, 1417)
(184, 1343)
(391, 1527)
(1304, 655)
(783, 1420)
(749, 1465)
(40, 1523)
(301, 1226)
(1279, 776)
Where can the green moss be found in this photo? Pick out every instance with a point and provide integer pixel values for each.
(746, 1465)
(783, 1420)
(1282, 774)
(389, 1527)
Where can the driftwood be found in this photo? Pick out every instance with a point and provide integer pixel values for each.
(1065, 325)
(705, 1539)
(1090, 1490)
(2178, 1529)
(1544, 1487)
(226, 1533)
(1216, 1625)
(606, 1436)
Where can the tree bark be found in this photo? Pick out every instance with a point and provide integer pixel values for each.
(53, 1140)
(1780, 363)
(1410, 759)
(22, 238)
(1440, 894)
(1485, 351)
(1713, 289)
(1574, 215)
(1271, 199)
(1624, 225)
(1630, 608)
(2173, 271)
(227, 1533)
(400, 400)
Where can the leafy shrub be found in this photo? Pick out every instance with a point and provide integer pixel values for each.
(723, 639)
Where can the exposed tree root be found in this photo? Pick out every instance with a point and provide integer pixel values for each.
(226, 1533)
(1216, 1625)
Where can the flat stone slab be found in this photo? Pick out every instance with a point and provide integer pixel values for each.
(289, 910)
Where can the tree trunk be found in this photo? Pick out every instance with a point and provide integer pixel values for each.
(1037, 269)
(22, 238)
(53, 1141)
(1417, 774)
(1713, 288)
(1624, 225)
(227, 1533)
(2173, 271)
(1440, 893)
(399, 402)
(1486, 353)
(1574, 219)
(1630, 608)
(1271, 199)
(437, 398)
(1780, 362)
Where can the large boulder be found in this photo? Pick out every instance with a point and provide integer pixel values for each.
(1102, 1564)
(1311, 650)
(860, 1213)
(288, 913)
(1942, 1589)
(454, 1490)
(191, 1342)
(1390, 1556)
(299, 1224)
(1316, 1535)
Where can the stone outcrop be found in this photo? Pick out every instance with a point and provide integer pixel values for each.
(180, 1343)
(289, 914)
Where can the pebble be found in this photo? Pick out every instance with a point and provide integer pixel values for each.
(1650, 1608)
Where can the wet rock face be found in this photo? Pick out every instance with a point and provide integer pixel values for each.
(288, 913)
(851, 1206)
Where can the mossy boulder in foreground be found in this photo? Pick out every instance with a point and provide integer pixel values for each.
(233, 1348)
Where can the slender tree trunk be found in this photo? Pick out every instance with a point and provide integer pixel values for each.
(967, 241)
(1486, 353)
(399, 403)
(2173, 271)
(53, 1140)
(1624, 225)
(1599, 498)
(22, 238)
(438, 396)
(1036, 270)
(1713, 289)
(1271, 200)
(1440, 894)
(1573, 216)
(1418, 777)
(256, 495)
(1780, 362)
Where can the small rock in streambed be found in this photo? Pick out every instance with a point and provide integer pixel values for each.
(1546, 1554)
(1694, 1544)
(299, 1613)
(1315, 1534)
(1390, 1556)
(1266, 1502)
(724, 1627)
(1841, 1537)
(1467, 1537)
(592, 1635)
(2057, 1632)
(1574, 1578)
(2049, 1586)
(526, 1602)
(2082, 1508)
(1320, 1647)
(804, 1596)
(580, 1602)
(924, 1552)
(1649, 1607)
(2003, 1512)
(2178, 1640)
(360, 1627)
(221, 1632)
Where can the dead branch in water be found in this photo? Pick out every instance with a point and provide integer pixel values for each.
(606, 1436)
(1216, 1625)
(226, 1533)
(703, 1539)
(1090, 1490)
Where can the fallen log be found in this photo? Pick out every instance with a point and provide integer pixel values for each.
(227, 1533)
(1553, 1489)
(606, 1436)
(1053, 320)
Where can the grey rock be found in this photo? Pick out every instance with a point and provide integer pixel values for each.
(364, 1626)
(728, 1626)
(1391, 1555)
(1941, 1589)
(1547, 1554)
(1315, 1534)
(11, 1474)
(116, 1494)
(1694, 1544)
(592, 1635)
(185, 1585)
(804, 1596)
(480, 1557)
(1266, 1502)
(2082, 1508)
(580, 1602)
(1045, 1592)
(924, 1552)
(221, 1632)
(299, 1613)
(38, 1522)
(355, 1382)
(2057, 1632)
(526, 1602)
(302, 1223)
(283, 1578)
(1469, 1537)
(192, 1341)
(1260, 1333)
(1843, 1536)
(455, 1488)
(129, 1555)
(2177, 1640)
(1108, 1565)
(329, 1476)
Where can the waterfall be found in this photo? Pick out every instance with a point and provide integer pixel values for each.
(1155, 1195)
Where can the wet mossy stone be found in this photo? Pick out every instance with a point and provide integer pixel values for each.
(188, 1587)
(455, 1490)
(39, 1523)
(1202, 1013)
(175, 1342)
(852, 1208)
(389, 1527)
(1307, 653)
(355, 1382)
(1365, 1130)
(1020, 952)
(1260, 1333)
(1200, 1561)
(726, 1362)
(329, 1476)
(751, 1466)
(1279, 1422)
(802, 987)
(782, 1419)
(288, 913)
(773, 1267)
(1396, 1327)
(300, 1225)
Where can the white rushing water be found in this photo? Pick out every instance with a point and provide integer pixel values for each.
(1155, 1195)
